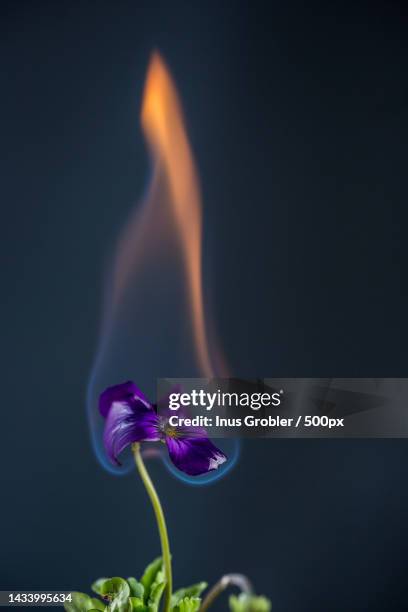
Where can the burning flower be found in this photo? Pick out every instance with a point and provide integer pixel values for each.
(131, 418)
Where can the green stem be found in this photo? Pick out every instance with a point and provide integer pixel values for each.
(161, 523)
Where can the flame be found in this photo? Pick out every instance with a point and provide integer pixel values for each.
(163, 124)
(155, 323)
(173, 203)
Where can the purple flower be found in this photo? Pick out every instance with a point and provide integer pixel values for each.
(130, 417)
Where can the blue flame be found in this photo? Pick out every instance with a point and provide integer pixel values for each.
(230, 447)
(96, 421)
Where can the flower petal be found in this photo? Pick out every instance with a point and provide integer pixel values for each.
(129, 418)
(126, 392)
(125, 425)
(194, 456)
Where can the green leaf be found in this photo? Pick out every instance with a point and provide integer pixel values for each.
(188, 604)
(156, 591)
(136, 588)
(249, 603)
(194, 590)
(149, 576)
(138, 604)
(97, 604)
(83, 603)
(116, 591)
(96, 586)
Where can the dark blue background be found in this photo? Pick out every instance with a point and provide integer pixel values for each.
(297, 113)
